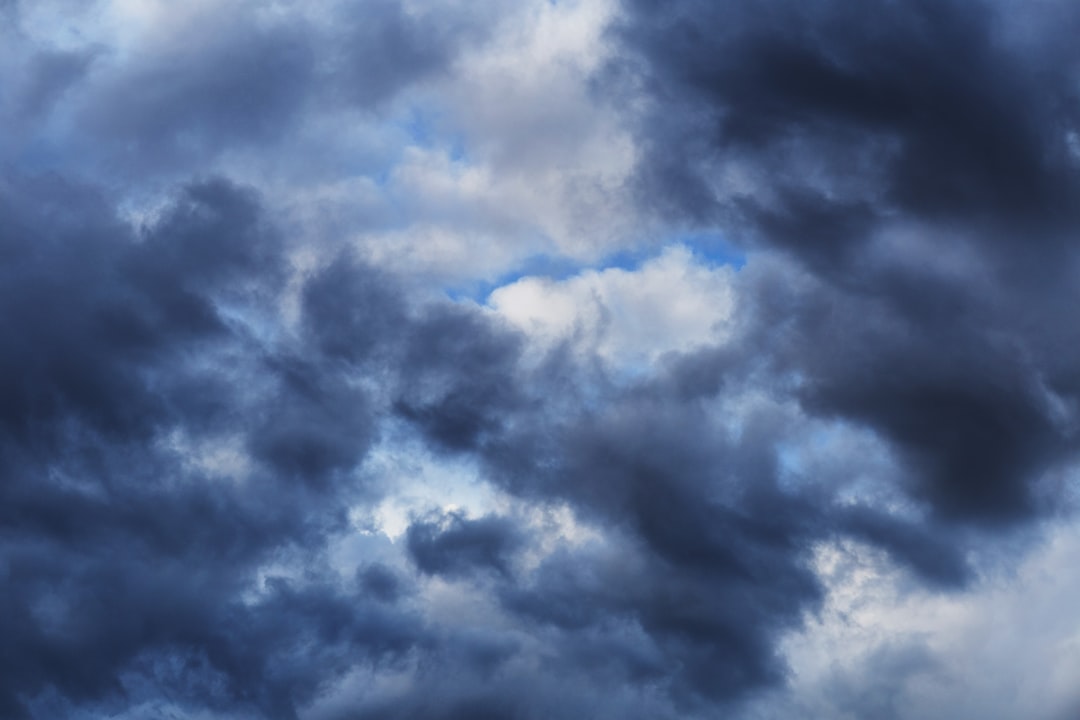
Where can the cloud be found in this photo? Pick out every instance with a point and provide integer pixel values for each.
(884, 647)
(122, 563)
(871, 147)
(264, 457)
(629, 318)
(455, 545)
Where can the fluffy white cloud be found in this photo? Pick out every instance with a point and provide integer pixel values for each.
(628, 318)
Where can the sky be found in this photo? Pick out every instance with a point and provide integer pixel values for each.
(539, 359)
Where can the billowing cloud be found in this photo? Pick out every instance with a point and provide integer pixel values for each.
(530, 360)
(916, 160)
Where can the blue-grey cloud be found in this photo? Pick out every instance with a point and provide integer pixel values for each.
(916, 159)
(205, 413)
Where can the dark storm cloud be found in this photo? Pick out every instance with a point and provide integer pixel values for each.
(141, 569)
(933, 555)
(380, 582)
(91, 307)
(712, 556)
(351, 310)
(316, 428)
(919, 159)
(972, 396)
(462, 382)
(178, 459)
(456, 545)
(124, 562)
(965, 126)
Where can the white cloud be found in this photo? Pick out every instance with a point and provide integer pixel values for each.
(628, 318)
(1007, 648)
(522, 160)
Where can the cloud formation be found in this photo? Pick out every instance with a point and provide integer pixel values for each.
(577, 359)
(918, 161)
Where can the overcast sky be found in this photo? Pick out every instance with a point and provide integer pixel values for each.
(539, 359)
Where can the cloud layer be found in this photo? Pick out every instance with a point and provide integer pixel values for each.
(532, 360)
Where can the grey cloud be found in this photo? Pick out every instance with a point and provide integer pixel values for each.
(936, 80)
(902, 177)
(715, 552)
(229, 80)
(99, 305)
(462, 377)
(352, 310)
(49, 75)
(315, 429)
(883, 688)
(931, 553)
(239, 84)
(913, 158)
(123, 558)
(719, 552)
(454, 545)
(381, 582)
(141, 568)
(383, 48)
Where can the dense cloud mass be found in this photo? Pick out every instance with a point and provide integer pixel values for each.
(919, 161)
(592, 358)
